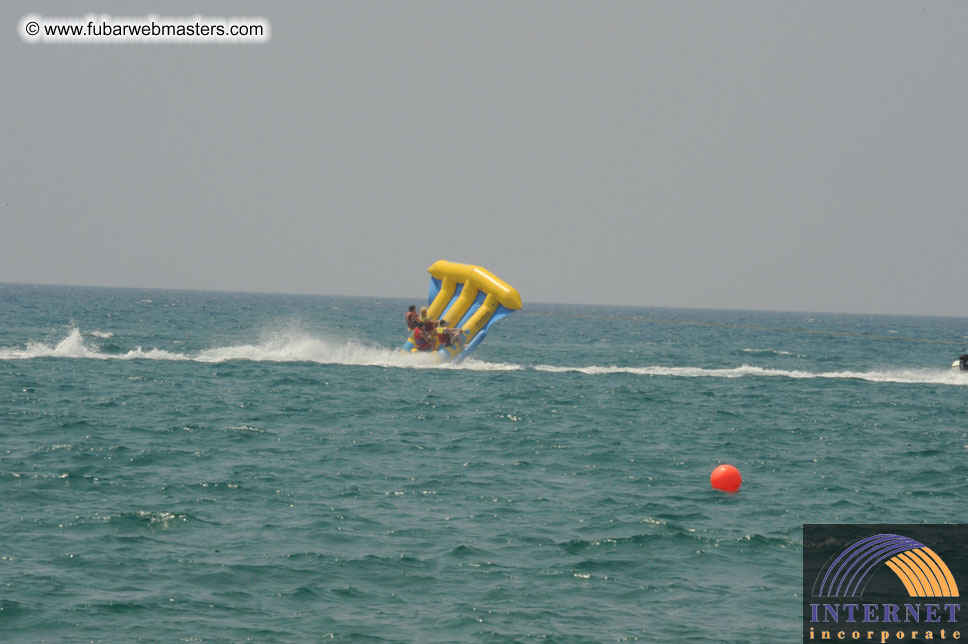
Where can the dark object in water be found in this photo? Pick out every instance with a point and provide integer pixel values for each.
(963, 362)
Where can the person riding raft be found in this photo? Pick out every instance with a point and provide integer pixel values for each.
(448, 336)
(424, 316)
(413, 318)
(423, 336)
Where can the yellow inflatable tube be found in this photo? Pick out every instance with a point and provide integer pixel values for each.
(469, 297)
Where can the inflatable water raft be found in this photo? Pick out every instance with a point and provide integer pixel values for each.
(469, 298)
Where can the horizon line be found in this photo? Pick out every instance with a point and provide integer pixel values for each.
(397, 297)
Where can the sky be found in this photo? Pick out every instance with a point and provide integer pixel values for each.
(801, 155)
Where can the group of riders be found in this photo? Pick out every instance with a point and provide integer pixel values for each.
(430, 334)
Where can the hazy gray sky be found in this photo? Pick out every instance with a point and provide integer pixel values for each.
(770, 155)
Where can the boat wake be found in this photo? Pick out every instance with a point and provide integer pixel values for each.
(73, 346)
(905, 376)
(286, 347)
(301, 347)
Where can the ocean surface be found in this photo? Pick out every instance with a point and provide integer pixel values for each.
(218, 467)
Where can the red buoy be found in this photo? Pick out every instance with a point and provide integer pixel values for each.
(726, 478)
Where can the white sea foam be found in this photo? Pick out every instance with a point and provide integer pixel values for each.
(300, 347)
(292, 346)
(73, 346)
(906, 376)
(296, 346)
(774, 352)
(306, 348)
(70, 347)
(147, 354)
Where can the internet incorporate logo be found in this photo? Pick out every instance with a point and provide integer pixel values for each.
(887, 569)
(922, 572)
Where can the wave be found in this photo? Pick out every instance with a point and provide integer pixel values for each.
(771, 352)
(73, 347)
(304, 348)
(904, 376)
(289, 347)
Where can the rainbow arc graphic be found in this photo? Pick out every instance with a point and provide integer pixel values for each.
(919, 568)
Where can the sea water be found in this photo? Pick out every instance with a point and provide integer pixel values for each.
(219, 467)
